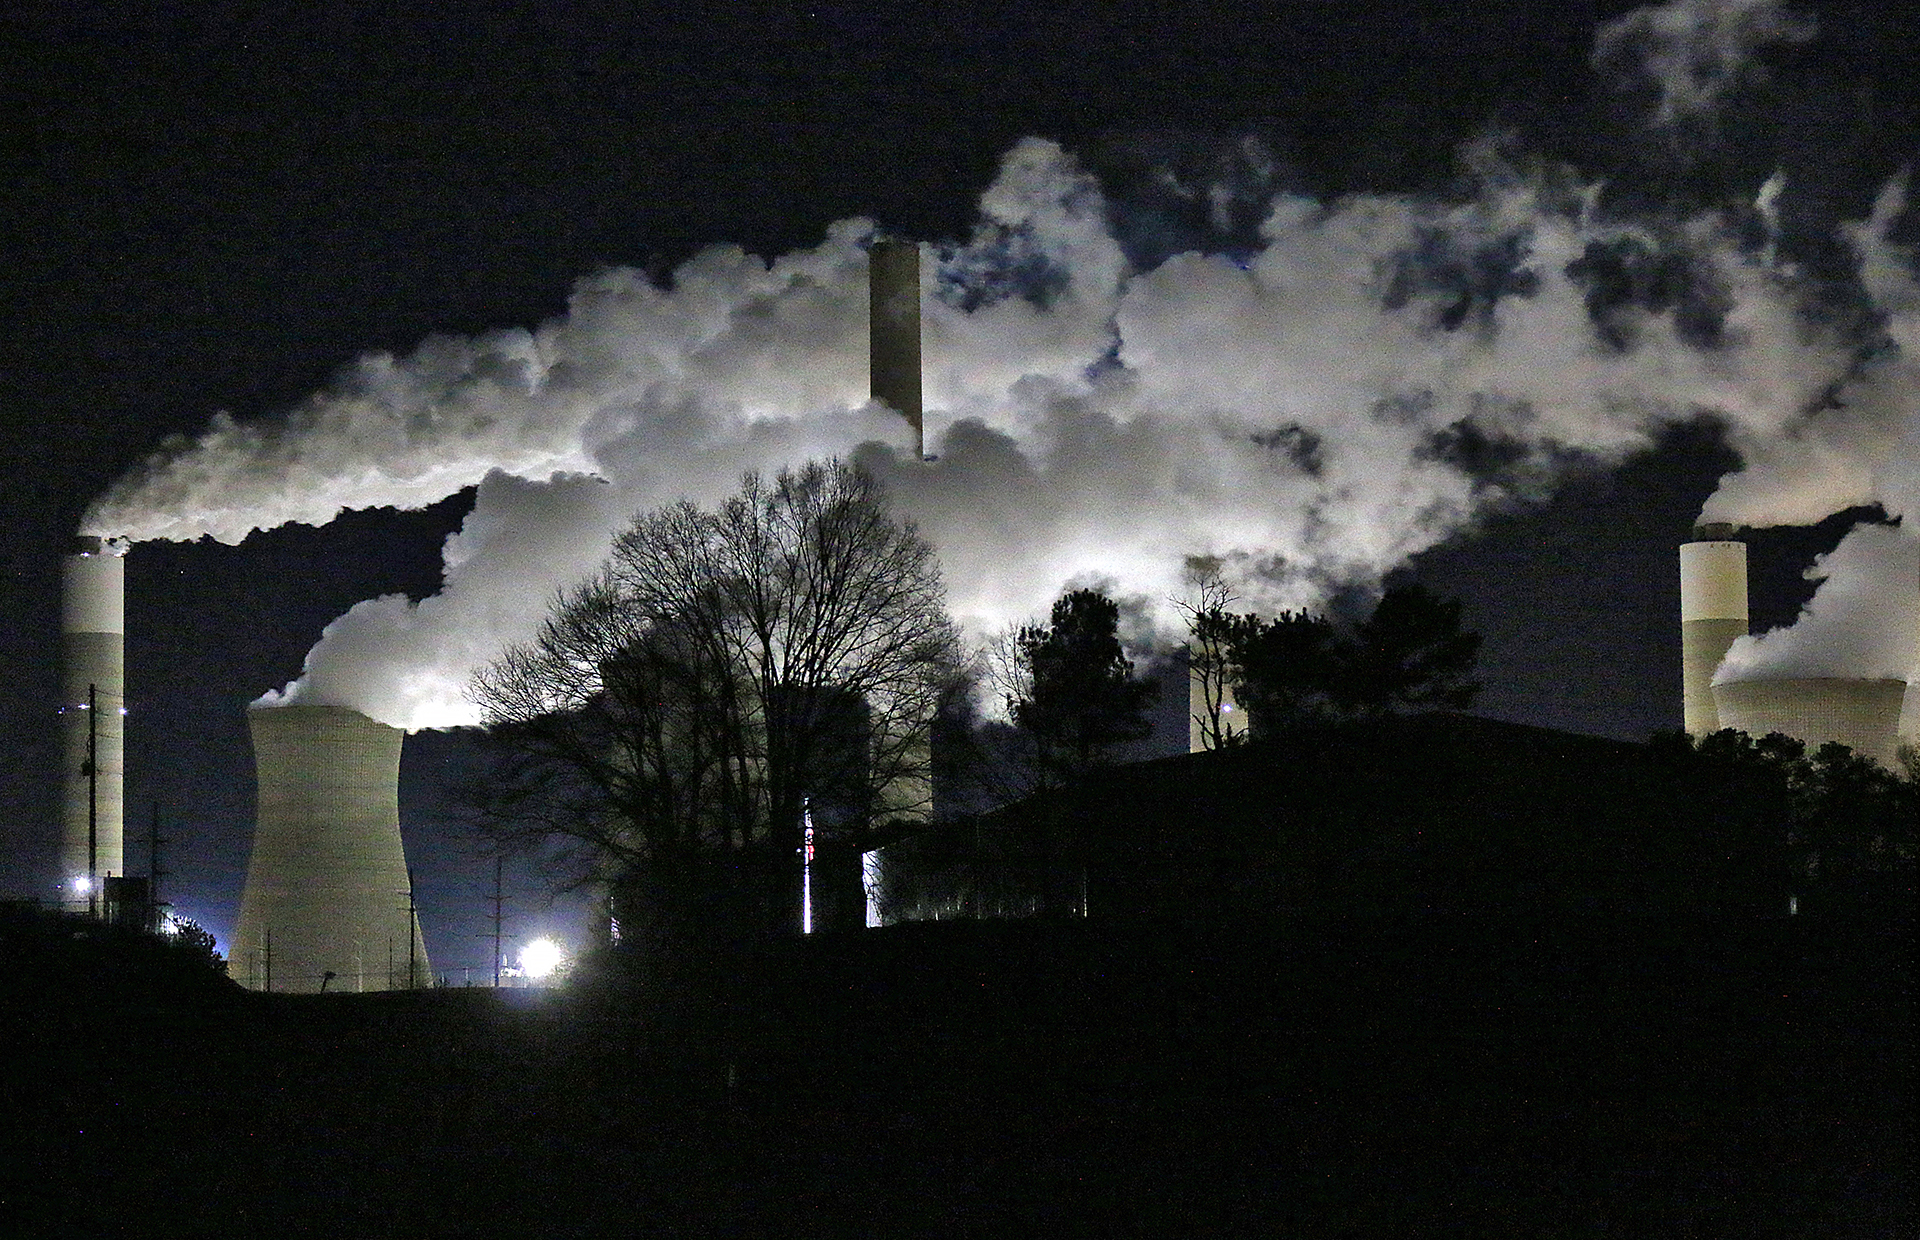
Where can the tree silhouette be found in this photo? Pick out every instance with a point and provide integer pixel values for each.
(678, 710)
(1410, 654)
(1287, 669)
(1083, 698)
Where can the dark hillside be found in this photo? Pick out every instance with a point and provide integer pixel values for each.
(1316, 1078)
(1437, 978)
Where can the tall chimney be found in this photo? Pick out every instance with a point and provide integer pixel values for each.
(327, 886)
(92, 710)
(1713, 611)
(894, 335)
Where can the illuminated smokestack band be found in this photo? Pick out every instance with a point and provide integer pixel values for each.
(93, 638)
(327, 886)
(894, 334)
(1713, 612)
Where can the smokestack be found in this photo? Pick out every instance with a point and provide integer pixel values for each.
(327, 886)
(1713, 612)
(92, 709)
(894, 333)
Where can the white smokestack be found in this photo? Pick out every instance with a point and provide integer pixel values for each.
(327, 884)
(1713, 615)
(93, 716)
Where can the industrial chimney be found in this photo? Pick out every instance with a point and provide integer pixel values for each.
(1713, 612)
(92, 710)
(328, 901)
(894, 332)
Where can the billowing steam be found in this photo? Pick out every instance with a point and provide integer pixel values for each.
(1863, 621)
(1378, 373)
(1694, 52)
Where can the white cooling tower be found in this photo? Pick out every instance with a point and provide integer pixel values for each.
(92, 709)
(1861, 714)
(893, 292)
(1713, 612)
(327, 886)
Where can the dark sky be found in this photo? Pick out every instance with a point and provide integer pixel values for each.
(212, 206)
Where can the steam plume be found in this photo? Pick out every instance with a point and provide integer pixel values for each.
(1380, 372)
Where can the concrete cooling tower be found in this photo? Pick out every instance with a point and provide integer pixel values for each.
(1861, 714)
(92, 712)
(1713, 612)
(327, 885)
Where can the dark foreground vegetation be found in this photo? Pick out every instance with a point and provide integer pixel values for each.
(1456, 979)
(1328, 1077)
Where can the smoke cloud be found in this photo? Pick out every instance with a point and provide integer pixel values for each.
(1863, 621)
(1694, 52)
(1376, 375)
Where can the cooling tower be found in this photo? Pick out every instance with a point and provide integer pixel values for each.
(93, 628)
(327, 887)
(1861, 714)
(1713, 611)
(894, 333)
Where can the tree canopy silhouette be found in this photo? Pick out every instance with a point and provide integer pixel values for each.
(1082, 698)
(1410, 654)
(723, 667)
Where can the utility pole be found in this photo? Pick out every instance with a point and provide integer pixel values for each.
(499, 917)
(93, 801)
(154, 872)
(267, 955)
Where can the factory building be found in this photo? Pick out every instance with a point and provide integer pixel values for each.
(328, 899)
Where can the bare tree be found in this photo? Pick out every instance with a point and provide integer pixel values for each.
(723, 671)
(1210, 669)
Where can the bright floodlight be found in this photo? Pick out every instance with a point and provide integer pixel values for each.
(82, 884)
(540, 958)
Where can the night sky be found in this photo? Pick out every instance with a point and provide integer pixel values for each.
(213, 206)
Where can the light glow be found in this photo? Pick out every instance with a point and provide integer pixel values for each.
(541, 959)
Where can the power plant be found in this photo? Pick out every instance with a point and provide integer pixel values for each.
(1862, 713)
(93, 717)
(328, 901)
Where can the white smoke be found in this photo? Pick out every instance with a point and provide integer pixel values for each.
(1377, 374)
(1863, 622)
(1695, 52)
(1309, 416)
(1859, 448)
